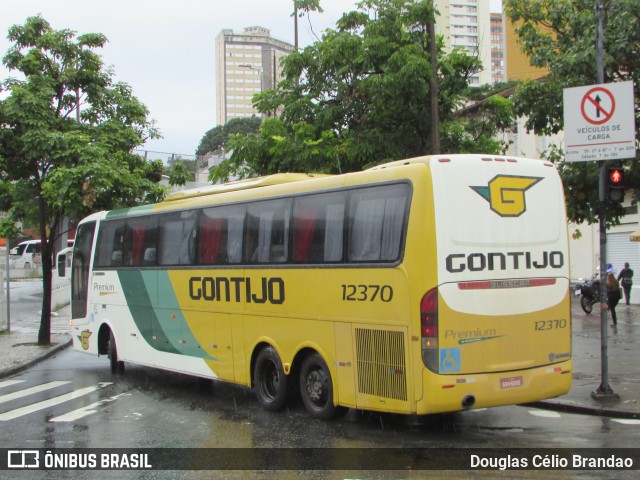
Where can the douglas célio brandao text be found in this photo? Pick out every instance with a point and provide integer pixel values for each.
(551, 461)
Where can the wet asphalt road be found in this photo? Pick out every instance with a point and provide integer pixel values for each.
(88, 407)
(148, 408)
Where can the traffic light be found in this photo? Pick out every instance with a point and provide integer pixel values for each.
(615, 184)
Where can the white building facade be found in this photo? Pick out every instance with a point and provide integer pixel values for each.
(246, 63)
(466, 24)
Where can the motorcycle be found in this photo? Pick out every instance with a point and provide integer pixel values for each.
(589, 294)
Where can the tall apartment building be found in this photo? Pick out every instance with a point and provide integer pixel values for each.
(246, 63)
(498, 61)
(466, 24)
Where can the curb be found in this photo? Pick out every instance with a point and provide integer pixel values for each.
(18, 368)
(582, 410)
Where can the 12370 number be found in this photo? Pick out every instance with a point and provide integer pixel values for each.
(367, 293)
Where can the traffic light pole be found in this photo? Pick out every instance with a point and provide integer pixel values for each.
(604, 391)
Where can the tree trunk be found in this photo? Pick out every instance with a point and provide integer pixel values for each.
(44, 334)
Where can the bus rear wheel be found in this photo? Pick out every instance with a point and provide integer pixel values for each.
(269, 380)
(316, 388)
(117, 366)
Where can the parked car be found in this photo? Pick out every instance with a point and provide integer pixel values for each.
(26, 254)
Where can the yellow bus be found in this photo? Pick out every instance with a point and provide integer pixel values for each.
(433, 284)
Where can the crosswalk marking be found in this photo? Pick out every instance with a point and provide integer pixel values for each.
(544, 413)
(93, 408)
(19, 412)
(627, 421)
(30, 391)
(84, 411)
(8, 383)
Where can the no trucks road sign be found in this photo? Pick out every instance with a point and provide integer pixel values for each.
(599, 122)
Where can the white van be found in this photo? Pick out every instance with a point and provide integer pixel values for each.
(26, 254)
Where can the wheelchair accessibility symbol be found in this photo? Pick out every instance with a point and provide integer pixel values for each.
(449, 360)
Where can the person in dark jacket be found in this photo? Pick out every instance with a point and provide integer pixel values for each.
(613, 295)
(626, 281)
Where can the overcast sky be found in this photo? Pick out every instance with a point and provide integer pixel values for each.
(165, 50)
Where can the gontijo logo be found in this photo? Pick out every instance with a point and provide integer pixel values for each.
(505, 194)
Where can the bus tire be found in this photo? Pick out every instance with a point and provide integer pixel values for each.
(269, 380)
(26, 265)
(316, 388)
(117, 366)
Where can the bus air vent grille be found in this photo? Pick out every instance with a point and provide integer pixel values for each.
(381, 363)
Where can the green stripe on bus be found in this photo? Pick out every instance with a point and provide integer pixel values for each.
(179, 324)
(142, 312)
(142, 291)
(129, 212)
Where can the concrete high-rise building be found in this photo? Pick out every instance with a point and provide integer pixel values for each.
(466, 24)
(498, 63)
(246, 63)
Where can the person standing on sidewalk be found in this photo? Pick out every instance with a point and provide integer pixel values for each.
(625, 277)
(613, 295)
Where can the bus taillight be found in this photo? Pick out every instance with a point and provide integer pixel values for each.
(429, 329)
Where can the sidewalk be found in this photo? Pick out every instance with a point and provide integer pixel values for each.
(19, 350)
(624, 364)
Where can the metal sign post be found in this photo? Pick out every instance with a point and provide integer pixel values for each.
(604, 391)
(8, 272)
(599, 123)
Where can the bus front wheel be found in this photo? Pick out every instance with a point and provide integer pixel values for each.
(316, 388)
(117, 366)
(269, 380)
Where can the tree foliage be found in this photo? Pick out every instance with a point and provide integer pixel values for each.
(360, 97)
(217, 138)
(66, 135)
(560, 35)
(179, 174)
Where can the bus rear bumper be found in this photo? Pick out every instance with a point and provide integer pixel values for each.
(450, 393)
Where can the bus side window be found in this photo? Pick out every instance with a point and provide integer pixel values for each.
(304, 225)
(177, 238)
(110, 244)
(220, 235)
(267, 235)
(210, 237)
(140, 242)
(318, 223)
(376, 221)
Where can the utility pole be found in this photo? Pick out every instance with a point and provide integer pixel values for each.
(604, 391)
(7, 271)
(295, 25)
(433, 84)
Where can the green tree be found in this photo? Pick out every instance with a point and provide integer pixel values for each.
(560, 35)
(217, 138)
(361, 97)
(179, 174)
(67, 131)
